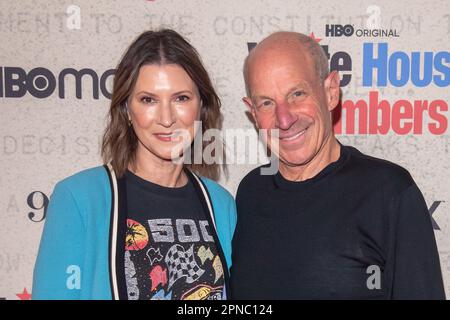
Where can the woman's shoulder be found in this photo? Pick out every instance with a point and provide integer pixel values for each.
(224, 207)
(91, 179)
(79, 194)
(216, 190)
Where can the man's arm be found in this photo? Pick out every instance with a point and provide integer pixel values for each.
(416, 271)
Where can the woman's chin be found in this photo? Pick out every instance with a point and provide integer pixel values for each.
(168, 156)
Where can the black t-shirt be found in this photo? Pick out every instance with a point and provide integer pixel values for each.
(170, 252)
(360, 229)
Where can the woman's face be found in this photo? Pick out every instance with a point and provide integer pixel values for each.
(162, 107)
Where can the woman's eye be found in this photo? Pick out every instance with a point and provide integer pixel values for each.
(182, 98)
(147, 100)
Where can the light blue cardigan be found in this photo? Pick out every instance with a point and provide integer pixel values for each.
(80, 235)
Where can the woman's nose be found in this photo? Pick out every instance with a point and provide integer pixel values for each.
(166, 116)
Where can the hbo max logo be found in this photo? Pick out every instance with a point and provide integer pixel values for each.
(41, 83)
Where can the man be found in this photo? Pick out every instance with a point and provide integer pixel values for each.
(332, 223)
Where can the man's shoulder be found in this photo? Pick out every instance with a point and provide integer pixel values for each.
(255, 178)
(377, 170)
(359, 167)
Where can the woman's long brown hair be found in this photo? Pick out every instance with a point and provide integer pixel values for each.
(156, 47)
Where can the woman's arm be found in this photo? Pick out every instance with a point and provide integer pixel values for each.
(59, 264)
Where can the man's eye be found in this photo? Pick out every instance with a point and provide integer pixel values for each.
(182, 98)
(298, 93)
(266, 103)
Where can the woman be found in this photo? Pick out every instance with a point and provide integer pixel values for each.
(144, 226)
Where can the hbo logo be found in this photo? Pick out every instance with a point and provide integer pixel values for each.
(338, 30)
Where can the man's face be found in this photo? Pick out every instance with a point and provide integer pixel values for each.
(286, 94)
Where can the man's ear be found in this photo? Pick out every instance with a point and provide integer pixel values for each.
(332, 89)
(248, 102)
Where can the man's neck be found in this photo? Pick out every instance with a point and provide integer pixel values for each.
(329, 153)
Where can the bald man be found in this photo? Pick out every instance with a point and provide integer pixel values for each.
(332, 223)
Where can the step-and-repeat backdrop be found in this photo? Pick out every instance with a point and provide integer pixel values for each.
(57, 61)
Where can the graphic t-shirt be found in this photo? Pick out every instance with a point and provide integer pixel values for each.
(170, 253)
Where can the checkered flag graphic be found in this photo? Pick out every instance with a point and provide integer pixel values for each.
(182, 264)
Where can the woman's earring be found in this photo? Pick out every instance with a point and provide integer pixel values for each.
(129, 122)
